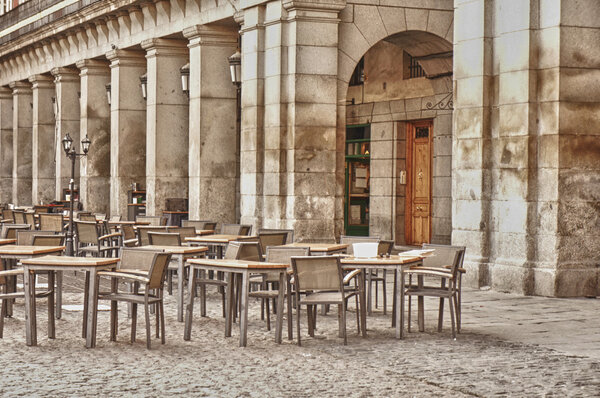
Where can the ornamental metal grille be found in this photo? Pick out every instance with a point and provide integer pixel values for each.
(422, 132)
(414, 69)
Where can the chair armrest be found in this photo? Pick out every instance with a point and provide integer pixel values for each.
(109, 236)
(420, 267)
(132, 271)
(12, 272)
(430, 272)
(352, 274)
(123, 275)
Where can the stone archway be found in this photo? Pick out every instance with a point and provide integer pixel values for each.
(424, 33)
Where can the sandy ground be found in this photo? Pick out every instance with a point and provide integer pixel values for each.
(480, 362)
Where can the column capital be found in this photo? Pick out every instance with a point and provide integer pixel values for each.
(126, 57)
(216, 36)
(164, 47)
(5, 92)
(41, 81)
(93, 67)
(20, 87)
(317, 5)
(64, 75)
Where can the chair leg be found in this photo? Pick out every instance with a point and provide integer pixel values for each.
(298, 314)
(170, 282)
(343, 311)
(148, 329)
(452, 318)
(268, 310)
(289, 310)
(357, 313)
(340, 334)
(162, 320)
(409, 312)
(441, 314)
(384, 293)
(309, 317)
(2, 315)
(133, 321)
(158, 315)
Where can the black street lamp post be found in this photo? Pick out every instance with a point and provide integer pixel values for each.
(67, 143)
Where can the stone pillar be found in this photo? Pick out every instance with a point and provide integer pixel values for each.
(44, 125)
(310, 143)
(6, 144)
(471, 143)
(166, 124)
(22, 104)
(252, 127)
(95, 123)
(213, 141)
(67, 121)
(127, 126)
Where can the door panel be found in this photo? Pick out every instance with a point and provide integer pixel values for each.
(418, 193)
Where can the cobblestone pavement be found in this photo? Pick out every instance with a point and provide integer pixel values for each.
(510, 346)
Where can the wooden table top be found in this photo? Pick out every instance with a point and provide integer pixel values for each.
(380, 260)
(129, 222)
(178, 249)
(7, 241)
(319, 247)
(240, 264)
(219, 238)
(70, 261)
(28, 250)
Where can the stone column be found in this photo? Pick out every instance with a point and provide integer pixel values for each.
(67, 121)
(213, 141)
(252, 126)
(127, 126)
(310, 143)
(167, 121)
(22, 104)
(6, 144)
(43, 168)
(471, 141)
(95, 123)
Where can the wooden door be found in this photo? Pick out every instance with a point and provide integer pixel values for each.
(418, 185)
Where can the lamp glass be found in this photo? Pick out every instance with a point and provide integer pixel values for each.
(108, 96)
(185, 78)
(143, 83)
(67, 143)
(85, 144)
(235, 67)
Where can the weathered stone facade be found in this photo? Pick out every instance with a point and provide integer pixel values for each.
(515, 161)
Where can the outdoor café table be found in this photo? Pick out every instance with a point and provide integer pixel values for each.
(394, 263)
(181, 253)
(203, 232)
(219, 240)
(242, 268)
(12, 253)
(320, 249)
(7, 241)
(91, 265)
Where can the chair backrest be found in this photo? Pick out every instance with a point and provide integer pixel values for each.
(246, 230)
(267, 239)
(48, 240)
(317, 273)
(445, 255)
(278, 254)
(289, 232)
(41, 209)
(30, 219)
(153, 220)
(164, 238)
(185, 232)
(128, 231)
(87, 232)
(25, 237)
(158, 270)
(52, 222)
(19, 217)
(249, 251)
(9, 231)
(385, 247)
(115, 218)
(154, 262)
(231, 229)
(143, 234)
(87, 217)
(7, 214)
(199, 224)
(356, 239)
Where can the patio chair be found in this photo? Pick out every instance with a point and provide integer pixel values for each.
(87, 217)
(145, 269)
(19, 217)
(269, 289)
(441, 268)
(89, 241)
(143, 234)
(25, 237)
(231, 229)
(289, 233)
(7, 215)
(199, 224)
(48, 240)
(164, 238)
(321, 280)
(52, 222)
(270, 238)
(184, 232)
(128, 236)
(9, 231)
